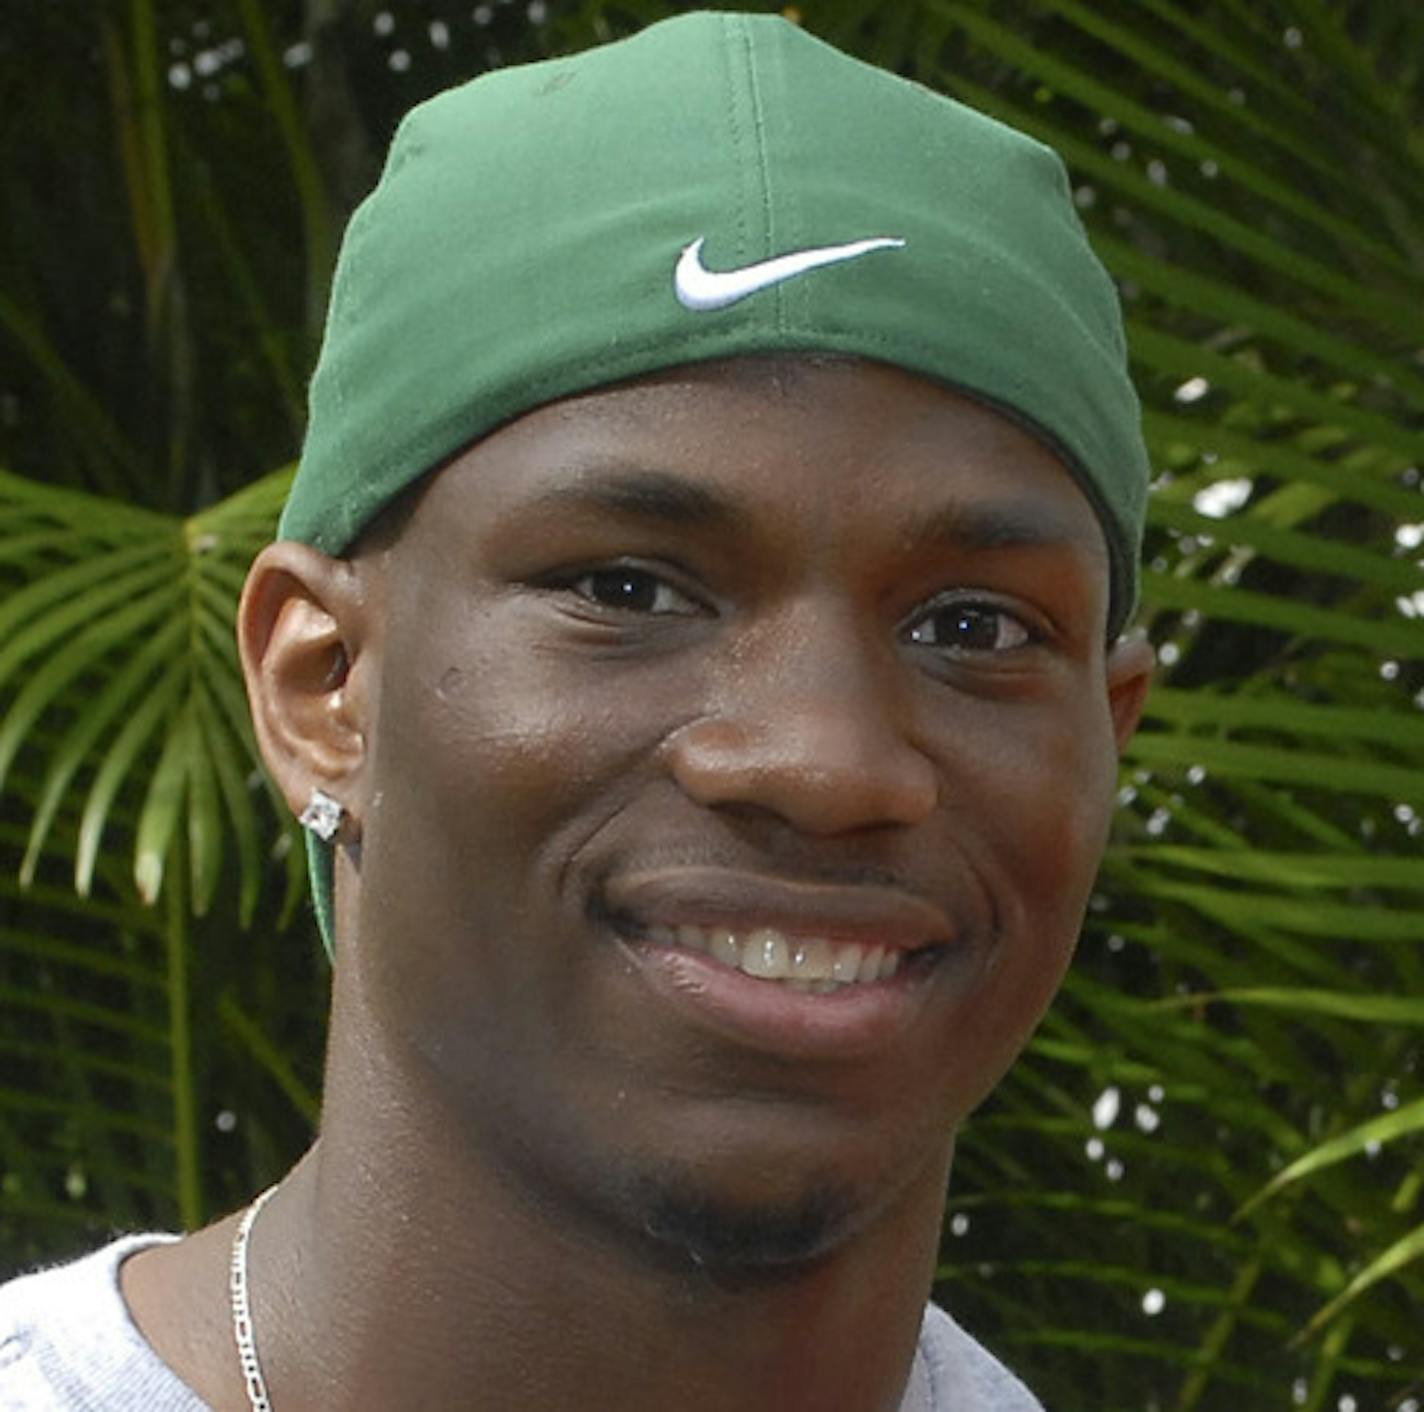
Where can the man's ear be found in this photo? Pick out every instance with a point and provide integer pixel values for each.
(304, 628)
(1130, 663)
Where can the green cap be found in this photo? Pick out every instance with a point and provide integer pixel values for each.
(719, 184)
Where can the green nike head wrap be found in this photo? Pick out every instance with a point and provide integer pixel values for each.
(552, 228)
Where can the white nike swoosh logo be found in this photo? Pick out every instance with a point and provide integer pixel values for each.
(699, 288)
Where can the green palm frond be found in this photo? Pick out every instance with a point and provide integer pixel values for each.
(117, 646)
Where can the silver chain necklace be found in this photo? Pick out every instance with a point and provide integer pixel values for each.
(252, 1377)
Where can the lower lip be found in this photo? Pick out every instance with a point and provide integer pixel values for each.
(853, 1021)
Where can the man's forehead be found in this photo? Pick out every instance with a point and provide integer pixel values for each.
(704, 447)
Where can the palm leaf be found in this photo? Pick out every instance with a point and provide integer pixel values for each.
(132, 618)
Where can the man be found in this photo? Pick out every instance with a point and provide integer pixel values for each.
(694, 646)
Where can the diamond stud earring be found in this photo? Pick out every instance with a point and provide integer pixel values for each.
(323, 815)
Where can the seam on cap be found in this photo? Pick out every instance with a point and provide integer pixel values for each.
(763, 167)
(734, 124)
(793, 300)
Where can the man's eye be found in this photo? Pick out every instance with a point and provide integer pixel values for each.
(631, 591)
(969, 627)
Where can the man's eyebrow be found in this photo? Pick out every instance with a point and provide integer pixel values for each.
(646, 494)
(1016, 524)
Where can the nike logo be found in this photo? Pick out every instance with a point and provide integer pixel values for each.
(699, 288)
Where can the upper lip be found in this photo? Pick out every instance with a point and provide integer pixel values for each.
(713, 896)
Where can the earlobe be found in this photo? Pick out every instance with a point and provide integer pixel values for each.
(1130, 664)
(303, 634)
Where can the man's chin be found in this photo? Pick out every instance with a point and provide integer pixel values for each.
(738, 1238)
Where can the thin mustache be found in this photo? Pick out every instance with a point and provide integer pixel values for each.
(775, 868)
(601, 908)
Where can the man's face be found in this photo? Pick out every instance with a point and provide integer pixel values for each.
(742, 760)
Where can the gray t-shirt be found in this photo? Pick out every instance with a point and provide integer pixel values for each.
(67, 1344)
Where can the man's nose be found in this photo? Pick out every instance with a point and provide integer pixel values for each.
(814, 726)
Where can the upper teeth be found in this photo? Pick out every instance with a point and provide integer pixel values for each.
(804, 963)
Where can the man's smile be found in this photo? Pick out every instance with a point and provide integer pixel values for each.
(812, 964)
(813, 970)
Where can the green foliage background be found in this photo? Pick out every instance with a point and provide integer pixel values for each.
(1201, 1188)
